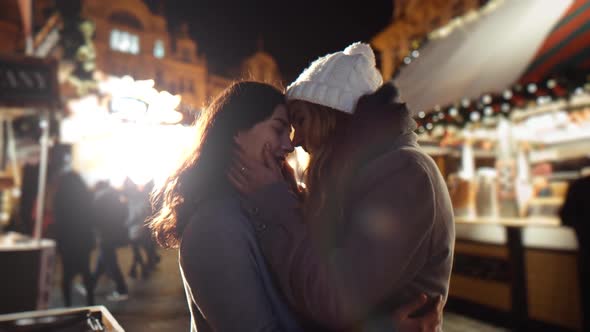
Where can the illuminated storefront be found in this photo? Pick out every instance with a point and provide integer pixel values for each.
(129, 130)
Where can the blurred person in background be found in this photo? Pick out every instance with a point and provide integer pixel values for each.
(575, 213)
(139, 210)
(227, 282)
(376, 228)
(110, 213)
(73, 229)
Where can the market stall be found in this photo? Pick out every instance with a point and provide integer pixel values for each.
(506, 118)
(27, 86)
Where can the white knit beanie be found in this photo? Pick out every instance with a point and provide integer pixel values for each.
(338, 80)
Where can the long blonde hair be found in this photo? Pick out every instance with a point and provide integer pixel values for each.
(321, 134)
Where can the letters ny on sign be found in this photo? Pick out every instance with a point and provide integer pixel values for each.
(27, 81)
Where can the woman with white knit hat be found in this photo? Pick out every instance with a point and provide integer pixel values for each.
(376, 230)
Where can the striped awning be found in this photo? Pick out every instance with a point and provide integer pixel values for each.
(507, 42)
(566, 50)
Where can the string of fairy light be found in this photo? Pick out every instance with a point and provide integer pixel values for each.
(490, 105)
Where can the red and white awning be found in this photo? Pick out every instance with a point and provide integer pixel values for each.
(488, 51)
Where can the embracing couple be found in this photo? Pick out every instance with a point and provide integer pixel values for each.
(366, 246)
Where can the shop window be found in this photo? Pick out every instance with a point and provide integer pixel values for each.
(123, 41)
(159, 50)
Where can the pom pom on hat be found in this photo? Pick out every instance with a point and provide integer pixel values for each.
(361, 48)
(339, 79)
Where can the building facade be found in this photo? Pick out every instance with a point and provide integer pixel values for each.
(130, 39)
(412, 20)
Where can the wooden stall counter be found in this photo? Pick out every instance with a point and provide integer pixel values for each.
(27, 267)
(518, 272)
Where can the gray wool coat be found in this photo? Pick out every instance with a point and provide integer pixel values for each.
(397, 241)
(226, 280)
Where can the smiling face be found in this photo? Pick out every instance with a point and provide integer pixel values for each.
(275, 131)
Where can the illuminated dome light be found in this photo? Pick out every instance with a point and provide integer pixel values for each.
(487, 99)
(421, 115)
(453, 112)
(429, 126)
(170, 117)
(505, 107)
(437, 108)
(488, 111)
(163, 109)
(139, 101)
(475, 116)
(415, 53)
(407, 60)
(507, 94)
(465, 102)
(551, 84)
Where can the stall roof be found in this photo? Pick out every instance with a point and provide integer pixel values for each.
(479, 53)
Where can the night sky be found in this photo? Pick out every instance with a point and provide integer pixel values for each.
(294, 32)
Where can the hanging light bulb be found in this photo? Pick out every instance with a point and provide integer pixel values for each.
(543, 100)
(453, 112)
(532, 88)
(488, 111)
(487, 99)
(421, 115)
(407, 60)
(505, 107)
(507, 94)
(475, 116)
(465, 102)
(429, 126)
(415, 53)
(551, 83)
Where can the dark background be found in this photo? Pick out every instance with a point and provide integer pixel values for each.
(293, 32)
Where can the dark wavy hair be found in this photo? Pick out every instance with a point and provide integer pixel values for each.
(202, 172)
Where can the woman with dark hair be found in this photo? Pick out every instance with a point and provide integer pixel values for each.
(376, 228)
(227, 284)
(197, 210)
